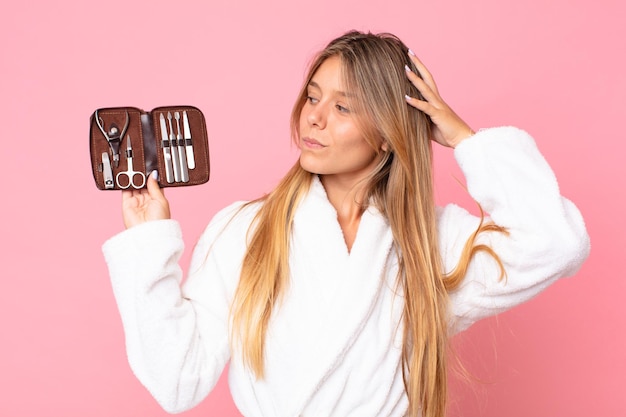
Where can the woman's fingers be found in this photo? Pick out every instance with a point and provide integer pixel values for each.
(420, 104)
(421, 68)
(448, 128)
(146, 204)
(427, 92)
(432, 102)
(153, 187)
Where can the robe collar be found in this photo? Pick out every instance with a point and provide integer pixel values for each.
(332, 294)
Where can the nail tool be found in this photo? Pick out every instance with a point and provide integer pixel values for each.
(167, 156)
(174, 148)
(191, 162)
(135, 179)
(114, 136)
(182, 155)
(107, 172)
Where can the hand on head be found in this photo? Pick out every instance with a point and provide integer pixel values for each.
(448, 128)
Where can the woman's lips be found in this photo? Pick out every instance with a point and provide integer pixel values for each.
(312, 143)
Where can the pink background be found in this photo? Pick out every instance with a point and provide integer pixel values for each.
(555, 68)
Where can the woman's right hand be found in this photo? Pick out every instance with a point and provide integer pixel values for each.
(448, 128)
(146, 204)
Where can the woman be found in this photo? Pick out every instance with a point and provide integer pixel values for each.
(335, 295)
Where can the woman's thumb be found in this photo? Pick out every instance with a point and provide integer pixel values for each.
(153, 186)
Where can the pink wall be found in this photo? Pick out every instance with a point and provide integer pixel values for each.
(555, 68)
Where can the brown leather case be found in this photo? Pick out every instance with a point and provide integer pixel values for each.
(112, 128)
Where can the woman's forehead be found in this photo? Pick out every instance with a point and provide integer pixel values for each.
(333, 74)
(329, 76)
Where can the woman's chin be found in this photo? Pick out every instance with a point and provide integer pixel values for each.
(312, 168)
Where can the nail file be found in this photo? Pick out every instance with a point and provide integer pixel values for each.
(182, 154)
(167, 156)
(174, 147)
(191, 162)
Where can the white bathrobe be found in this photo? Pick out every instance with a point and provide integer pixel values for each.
(333, 347)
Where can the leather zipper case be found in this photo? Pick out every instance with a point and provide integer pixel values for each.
(126, 144)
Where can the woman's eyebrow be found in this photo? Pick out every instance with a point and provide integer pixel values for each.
(340, 93)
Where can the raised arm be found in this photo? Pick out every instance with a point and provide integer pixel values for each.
(546, 236)
(176, 336)
(513, 183)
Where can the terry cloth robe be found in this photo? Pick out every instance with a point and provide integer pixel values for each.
(334, 344)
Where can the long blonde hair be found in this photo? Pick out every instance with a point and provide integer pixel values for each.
(401, 187)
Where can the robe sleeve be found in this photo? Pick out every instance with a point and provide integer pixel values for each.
(546, 238)
(177, 334)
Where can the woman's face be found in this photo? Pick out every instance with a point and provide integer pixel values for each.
(330, 142)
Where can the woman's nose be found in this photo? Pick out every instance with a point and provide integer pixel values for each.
(317, 116)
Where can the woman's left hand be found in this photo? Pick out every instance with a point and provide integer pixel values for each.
(448, 128)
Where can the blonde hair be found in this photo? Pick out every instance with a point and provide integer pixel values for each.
(401, 187)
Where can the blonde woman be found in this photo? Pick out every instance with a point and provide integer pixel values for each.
(335, 295)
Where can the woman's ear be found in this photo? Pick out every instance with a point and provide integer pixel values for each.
(384, 147)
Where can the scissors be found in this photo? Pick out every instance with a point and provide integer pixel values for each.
(136, 179)
(113, 136)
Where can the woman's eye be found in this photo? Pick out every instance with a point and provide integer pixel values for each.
(312, 100)
(342, 109)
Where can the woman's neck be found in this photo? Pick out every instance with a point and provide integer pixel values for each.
(347, 198)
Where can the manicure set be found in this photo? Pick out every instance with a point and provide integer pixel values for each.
(127, 144)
